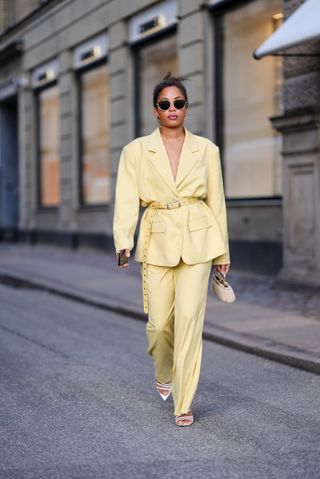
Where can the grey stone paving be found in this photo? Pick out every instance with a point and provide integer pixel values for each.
(77, 401)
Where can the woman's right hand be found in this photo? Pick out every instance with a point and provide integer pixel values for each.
(123, 258)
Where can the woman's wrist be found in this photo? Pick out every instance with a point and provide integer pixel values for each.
(222, 268)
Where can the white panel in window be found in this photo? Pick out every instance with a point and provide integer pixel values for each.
(49, 149)
(156, 60)
(153, 19)
(95, 136)
(251, 93)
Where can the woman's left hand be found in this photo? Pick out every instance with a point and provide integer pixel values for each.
(222, 268)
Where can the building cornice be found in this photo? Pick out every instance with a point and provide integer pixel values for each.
(16, 28)
(12, 48)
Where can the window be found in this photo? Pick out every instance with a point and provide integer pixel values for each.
(154, 60)
(251, 95)
(24, 8)
(95, 179)
(2, 19)
(7, 9)
(49, 146)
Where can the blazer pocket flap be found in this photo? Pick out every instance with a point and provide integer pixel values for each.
(158, 227)
(199, 223)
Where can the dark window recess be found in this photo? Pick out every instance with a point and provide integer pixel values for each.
(149, 25)
(89, 54)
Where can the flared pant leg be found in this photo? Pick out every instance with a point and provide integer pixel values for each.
(160, 325)
(177, 303)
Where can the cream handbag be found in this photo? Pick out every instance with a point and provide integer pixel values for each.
(222, 288)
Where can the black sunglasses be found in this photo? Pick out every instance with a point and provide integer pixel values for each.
(165, 104)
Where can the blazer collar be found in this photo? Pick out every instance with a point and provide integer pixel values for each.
(156, 142)
(161, 161)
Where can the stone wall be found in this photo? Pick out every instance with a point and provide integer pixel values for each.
(300, 126)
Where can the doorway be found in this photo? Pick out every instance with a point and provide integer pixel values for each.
(9, 169)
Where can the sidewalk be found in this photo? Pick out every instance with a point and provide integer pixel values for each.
(282, 325)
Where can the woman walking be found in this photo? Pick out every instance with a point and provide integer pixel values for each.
(176, 176)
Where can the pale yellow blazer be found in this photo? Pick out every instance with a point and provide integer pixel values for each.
(196, 232)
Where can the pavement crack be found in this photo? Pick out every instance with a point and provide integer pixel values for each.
(31, 340)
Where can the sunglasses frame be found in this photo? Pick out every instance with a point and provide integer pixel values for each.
(173, 103)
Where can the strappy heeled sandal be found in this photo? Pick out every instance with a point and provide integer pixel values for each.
(184, 417)
(164, 389)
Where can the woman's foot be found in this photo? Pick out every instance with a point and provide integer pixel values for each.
(164, 389)
(185, 419)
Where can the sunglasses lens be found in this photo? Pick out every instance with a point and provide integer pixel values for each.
(179, 104)
(164, 104)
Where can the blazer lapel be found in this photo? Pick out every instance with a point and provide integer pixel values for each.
(188, 156)
(160, 160)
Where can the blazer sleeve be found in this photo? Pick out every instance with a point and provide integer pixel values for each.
(126, 208)
(216, 199)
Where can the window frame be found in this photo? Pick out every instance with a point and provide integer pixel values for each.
(136, 48)
(40, 205)
(217, 12)
(80, 190)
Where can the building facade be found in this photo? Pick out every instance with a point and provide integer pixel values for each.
(76, 84)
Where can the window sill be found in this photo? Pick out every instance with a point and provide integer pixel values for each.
(263, 201)
(96, 207)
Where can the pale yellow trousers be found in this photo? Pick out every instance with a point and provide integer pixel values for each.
(177, 299)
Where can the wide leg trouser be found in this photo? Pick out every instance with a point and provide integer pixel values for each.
(177, 301)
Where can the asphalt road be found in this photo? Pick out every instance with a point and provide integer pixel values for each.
(77, 401)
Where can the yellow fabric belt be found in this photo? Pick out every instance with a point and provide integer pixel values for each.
(153, 206)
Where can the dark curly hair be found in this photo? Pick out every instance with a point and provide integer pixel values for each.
(169, 80)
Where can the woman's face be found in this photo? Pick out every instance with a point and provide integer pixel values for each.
(173, 117)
